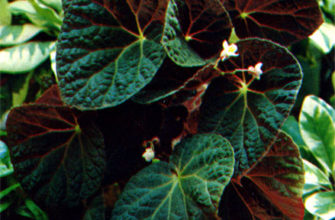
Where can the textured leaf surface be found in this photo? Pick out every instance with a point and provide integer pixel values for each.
(322, 204)
(169, 79)
(247, 111)
(108, 50)
(58, 155)
(273, 188)
(195, 30)
(16, 34)
(24, 57)
(281, 21)
(317, 127)
(189, 187)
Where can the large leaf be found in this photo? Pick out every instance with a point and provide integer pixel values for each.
(108, 50)
(247, 111)
(24, 57)
(194, 31)
(317, 127)
(273, 188)
(16, 34)
(58, 155)
(283, 21)
(322, 204)
(189, 187)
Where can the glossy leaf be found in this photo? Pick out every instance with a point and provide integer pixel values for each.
(24, 57)
(273, 188)
(322, 204)
(189, 187)
(317, 127)
(6, 166)
(16, 34)
(37, 13)
(314, 178)
(284, 22)
(58, 154)
(108, 50)
(194, 31)
(247, 111)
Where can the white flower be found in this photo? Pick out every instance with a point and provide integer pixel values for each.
(256, 70)
(228, 50)
(149, 154)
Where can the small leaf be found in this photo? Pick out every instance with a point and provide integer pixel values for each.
(323, 37)
(37, 13)
(314, 178)
(24, 57)
(317, 127)
(247, 111)
(16, 34)
(322, 204)
(108, 50)
(189, 187)
(58, 154)
(284, 22)
(6, 166)
(194, 31)
(273, 188)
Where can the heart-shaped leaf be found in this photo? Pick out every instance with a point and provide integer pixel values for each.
(58, 155)
(317, 127)
(281, 21)
(249, 112)
(273, 188)
(194, 31)
(189, 187)
(108, 50)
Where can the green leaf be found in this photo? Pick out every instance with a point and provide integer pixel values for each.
(190, 42)
(314, 178)
(37, 13)
(5, 15)
(96, 209)
(291, 127)
(8, 190)
(24, 57)
(323, 37)
(106, 54)
(56, 4)
(247, 111)
(322, 204)
(189, 187)
(317, 127)
(58, 154)
(16, 34)
(6, 166)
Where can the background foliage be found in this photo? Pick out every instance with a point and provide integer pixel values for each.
(160, 77)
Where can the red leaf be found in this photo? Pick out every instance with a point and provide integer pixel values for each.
(283, 21)
(57, 153)
(273, 188)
